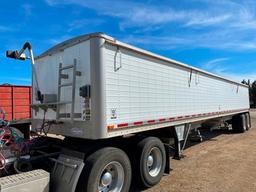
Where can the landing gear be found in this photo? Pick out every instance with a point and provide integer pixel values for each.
(180, 134)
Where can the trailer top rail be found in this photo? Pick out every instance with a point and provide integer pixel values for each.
(111, 40)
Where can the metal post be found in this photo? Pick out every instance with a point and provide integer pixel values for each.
(188, 127)
(178, 139)
(73, 91)
(59, 93)
(176, 145)
(32, 60)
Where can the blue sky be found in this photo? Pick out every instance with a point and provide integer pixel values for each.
(218, 36)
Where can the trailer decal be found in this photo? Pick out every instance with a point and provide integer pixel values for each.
(113, 114)
(138, 123)
(123, 125)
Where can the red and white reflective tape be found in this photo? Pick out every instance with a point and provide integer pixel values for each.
(170, 119)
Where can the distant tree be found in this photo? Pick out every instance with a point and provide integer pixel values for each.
(246, 82)
(252, 91)
(253, 94)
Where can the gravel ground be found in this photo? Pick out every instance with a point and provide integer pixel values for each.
(223, 163)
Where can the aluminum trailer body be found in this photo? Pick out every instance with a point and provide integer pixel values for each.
(118, 89)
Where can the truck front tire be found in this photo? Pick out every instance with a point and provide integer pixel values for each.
(150, 161)
(107, 169)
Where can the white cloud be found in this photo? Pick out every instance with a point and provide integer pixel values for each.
(134, 14)
(239, 77)
(218, 66)
(15, 80)
(220, 40)
(212, 64)
(219, 24)
(54, 41)
(51, 2)
(5, 28)
(27, 9)
(206, 21)
(158, 42)
(84, 23)
(142, 14)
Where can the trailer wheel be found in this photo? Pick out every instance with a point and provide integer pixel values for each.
(248, 121)
(239, 123)
(107, 169)
(150, 161)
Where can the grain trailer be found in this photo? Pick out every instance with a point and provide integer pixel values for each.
(119, 107)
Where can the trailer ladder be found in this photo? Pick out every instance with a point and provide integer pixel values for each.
(75, 73)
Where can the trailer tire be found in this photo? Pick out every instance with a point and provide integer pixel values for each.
(239, 124)
(108, 169)
(248, 121)
(150, 161)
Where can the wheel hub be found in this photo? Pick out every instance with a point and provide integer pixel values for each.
(112, 178)
(106, 179)
(150, 161)
(154, 162)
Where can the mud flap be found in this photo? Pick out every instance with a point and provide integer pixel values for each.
(167, 153)
(66, 171)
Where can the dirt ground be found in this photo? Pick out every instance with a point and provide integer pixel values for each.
(224, 163)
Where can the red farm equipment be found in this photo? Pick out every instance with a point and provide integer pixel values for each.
(15, 102)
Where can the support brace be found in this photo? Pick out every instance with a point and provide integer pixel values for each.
(181, 133)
